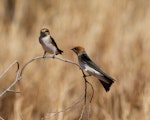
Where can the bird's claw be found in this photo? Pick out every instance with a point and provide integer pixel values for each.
(44, 56)
(53, 56)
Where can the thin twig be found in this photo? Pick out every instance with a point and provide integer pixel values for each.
(21, 117)
(13, 91)
(15, 62)
(85, 94)
(85, 90)
(89, 111)
(65, 60)
(82, 112)
(12, 84)
(87, 82)
(92, 90)
(15, 81)
(20, 73)
(41, 57)
(66, 109)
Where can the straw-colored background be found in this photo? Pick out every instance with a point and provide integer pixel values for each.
(115, 34)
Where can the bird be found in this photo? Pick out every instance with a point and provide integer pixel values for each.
(86, 64)
(48, 43)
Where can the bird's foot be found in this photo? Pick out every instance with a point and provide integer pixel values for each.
(44, 56)
(53, 56)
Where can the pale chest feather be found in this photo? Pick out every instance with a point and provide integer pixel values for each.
(45, 39)
(47, 45)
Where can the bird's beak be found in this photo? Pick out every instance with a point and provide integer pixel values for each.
(74, 50)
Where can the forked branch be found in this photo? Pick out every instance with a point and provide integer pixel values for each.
(19, 75)
(8, 68)
(15, 81)
(84, 76)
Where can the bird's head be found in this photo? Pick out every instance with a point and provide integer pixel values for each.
(44, 32)
(78, 50)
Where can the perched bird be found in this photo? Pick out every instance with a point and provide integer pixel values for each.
(91, 68)
(48, 43)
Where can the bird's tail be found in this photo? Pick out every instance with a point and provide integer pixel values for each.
(59, 51)
(107, 84)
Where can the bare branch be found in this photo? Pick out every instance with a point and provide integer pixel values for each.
(85, 81)
(19, 74)
(13, 91)
(16, 80)
(10, 66)
(19, 77)
(85, 94)
(92, 90)
(71, 62)
(64, 110)
(9, 88)
(89, 111)
(41, 57)
(82, 112)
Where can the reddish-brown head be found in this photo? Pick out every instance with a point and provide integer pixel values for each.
(78, 50)
(44, 32)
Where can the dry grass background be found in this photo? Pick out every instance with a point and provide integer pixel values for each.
(114, 33)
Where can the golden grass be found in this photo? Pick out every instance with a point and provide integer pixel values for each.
(114, 33)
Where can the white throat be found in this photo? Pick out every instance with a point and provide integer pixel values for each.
(46, 38)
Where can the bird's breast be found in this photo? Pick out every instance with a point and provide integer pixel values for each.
(46, 39)
(47, 45)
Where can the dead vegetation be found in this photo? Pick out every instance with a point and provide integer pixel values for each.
(116, 36)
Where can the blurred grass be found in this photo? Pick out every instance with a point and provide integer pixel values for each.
(114, 33)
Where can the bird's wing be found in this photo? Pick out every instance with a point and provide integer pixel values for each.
(40, 39)
(86, 60)
(53, 42)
